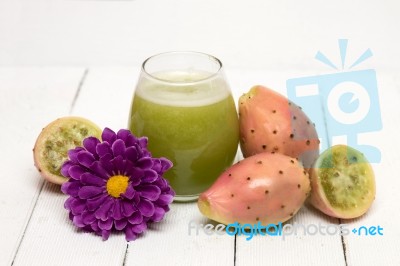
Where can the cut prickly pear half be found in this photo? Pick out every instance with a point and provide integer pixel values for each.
(342, 182)
(269, 122)
(55, 140)
(266, 188)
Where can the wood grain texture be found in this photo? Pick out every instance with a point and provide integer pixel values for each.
(105, 96)
(31, 98)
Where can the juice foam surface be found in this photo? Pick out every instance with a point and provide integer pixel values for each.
(186, 89)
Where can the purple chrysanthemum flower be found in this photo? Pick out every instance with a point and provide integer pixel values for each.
(116, 185)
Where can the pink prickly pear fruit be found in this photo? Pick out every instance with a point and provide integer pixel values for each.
(266, 188)
(269, 122)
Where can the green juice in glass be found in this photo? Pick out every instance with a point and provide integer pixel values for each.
(192, 123)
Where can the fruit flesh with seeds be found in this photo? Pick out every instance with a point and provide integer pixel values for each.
(266, 188)
(269, 122)
(55, 140)
(343, 183)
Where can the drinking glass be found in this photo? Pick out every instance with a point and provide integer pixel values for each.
(183, 104)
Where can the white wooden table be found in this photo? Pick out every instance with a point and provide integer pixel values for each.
(34, 226)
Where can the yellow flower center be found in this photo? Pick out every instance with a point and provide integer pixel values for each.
(116, 185)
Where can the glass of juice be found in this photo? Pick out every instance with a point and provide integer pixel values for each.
(183, 104)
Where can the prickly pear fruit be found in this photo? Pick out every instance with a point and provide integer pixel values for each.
(270, 122)
(343, 183)
(266, 188)
(55, 140)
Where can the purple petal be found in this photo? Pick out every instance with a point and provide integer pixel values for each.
(143, 142)
(129, 234)
(146, 208)
(129, 193)
(108, 135)
(136, 175)
(70, 188)
(118, 148)
(157, 166)
(119, 165)
(72, 154)
(98, 170)
(90, 144)
(149, 176)
(67, 203)
(117, 214)
(96, 202)
(135, 218)
(76, 171)
(131, 140)
(105, 234)
(87, 192)
(102, 213)
(89, 179)
(158, 214)
(106, 164)
(127, 208)
(88, 218)
(164, 199)
(166, 164)
(103, 149)
(144, 163)
(65, 168)
(131, 154)
(77, 220)
(150, 192)
(139, 228)
(120, 224)
(77, 206)
(85, 158)
(123, 134)
(105, 225)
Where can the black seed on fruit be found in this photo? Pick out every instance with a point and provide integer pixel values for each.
(241, 102)
(230, 175)
(264, 146)
(294, 117)
(298, 185)
(308, 122)
(308, 142)
(290, 103)
(40, 170)
(274, 131)
(259, 162)
(257, 219)
(232, 195)
(252, 130)
(248, 207)
(291, 135)
(276, 148)
(291, 214)
(248, 178)
(280, 172)
(282, 206)
(319, 141)
(300, 107)
(304, 172)
(273, 152)
(249, 97)
(274, 111)
(238, 162)
(291, 161)
(266, 192)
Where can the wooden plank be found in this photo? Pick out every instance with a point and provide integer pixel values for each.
(31, 98)
(50, 238)
(381, 249)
